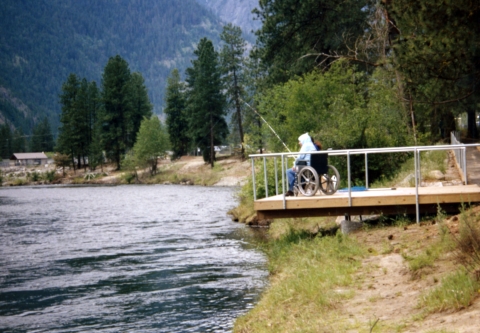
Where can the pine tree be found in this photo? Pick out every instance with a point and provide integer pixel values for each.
(117, 108)
(6, 142)
(233, 70)
(95, 152)
(19, 144)
(206, 103)
(42, 138)
(292, 30)
(436, 50)
(66, 143)
(176, 118)
(140, 104)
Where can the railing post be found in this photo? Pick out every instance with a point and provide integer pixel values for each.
(349, 183)
(253, 180)
(417, 206)
(419, 169)
(366, 171)
(465, 164)
(283, 181)
(276, 175)
(265, 175)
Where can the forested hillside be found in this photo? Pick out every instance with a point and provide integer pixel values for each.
(237, 12)
(42, 42)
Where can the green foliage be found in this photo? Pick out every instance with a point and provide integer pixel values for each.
(6, 142)
(295, 34)
(343, 109)
(35, 176)
(125, 103)
(308, 272)
(140, 104)
(456, 291)
(43, 41)
(19, 141)
(176, 115)
(206, 102)
(42, 138)
(62, 161)
(152, 143)
(231, 58)
(49, 176)
(434, 47)
(116, 108)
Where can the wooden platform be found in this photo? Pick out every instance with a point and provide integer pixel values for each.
(373, 201)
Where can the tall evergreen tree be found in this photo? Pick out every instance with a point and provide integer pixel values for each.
(6, 142)
(233, 69)
(292, 29)
(42, 138)
(176, 118)
(66, 143)
(436, 50)
(19, 144)
(95, 152)
(140, 104)
(206, 102)
(117, 109)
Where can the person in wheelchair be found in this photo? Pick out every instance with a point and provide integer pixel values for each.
(306, 144)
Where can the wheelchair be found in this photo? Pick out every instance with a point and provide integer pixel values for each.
(317, 175)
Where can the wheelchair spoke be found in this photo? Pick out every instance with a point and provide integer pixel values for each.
(307, 181)
(330, 181)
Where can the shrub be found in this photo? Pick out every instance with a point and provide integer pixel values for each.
(468, 242)
(35, 176)
(49, 176)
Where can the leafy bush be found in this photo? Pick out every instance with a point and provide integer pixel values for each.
(35, 176)
(49, 176)
(344, 109)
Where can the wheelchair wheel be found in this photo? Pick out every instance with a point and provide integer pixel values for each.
(307, 181)
(330, 181)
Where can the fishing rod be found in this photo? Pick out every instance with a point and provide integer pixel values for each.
(267, 124)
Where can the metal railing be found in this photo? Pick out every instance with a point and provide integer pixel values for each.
(416, 150)
(460, 155)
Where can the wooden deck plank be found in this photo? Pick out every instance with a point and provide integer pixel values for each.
(370, 200)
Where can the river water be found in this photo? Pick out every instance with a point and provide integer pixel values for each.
(124, 259)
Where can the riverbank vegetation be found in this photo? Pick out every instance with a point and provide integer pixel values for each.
(392, 276)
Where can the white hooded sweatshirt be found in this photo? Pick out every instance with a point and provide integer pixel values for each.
(307, 145)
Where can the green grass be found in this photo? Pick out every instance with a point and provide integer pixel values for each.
(456, 291)
(310, 276)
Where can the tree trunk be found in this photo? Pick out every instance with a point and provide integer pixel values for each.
(212, 148)
(239, 114)
(472, 125)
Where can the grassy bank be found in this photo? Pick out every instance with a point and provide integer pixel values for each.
(394, 275)
(389, 277)
(309, 278)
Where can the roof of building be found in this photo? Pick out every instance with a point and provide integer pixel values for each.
(28, 156)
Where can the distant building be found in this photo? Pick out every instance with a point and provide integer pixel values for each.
(29, 159)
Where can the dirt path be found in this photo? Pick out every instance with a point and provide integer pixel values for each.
(388, 294)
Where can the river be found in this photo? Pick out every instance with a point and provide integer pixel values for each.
(133, 258)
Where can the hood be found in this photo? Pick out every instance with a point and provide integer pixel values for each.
(304, 138)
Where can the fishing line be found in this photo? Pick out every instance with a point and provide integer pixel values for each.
(267, 124)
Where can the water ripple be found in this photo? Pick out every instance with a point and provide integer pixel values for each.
(124, 258)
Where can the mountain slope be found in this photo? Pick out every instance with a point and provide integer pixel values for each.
(43, 41)
(238, 12)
